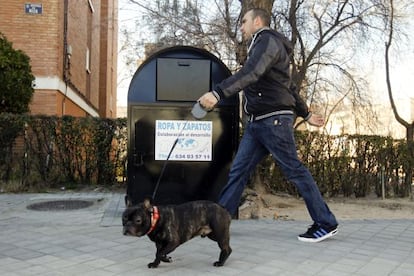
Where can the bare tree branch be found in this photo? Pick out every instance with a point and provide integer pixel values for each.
(387, 66)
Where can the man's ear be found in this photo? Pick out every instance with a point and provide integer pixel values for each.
(257, 21)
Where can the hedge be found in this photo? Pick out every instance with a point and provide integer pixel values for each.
(40, 152)
(347, 165)
(48, 152)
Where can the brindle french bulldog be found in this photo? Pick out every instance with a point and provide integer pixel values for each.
(171, 226)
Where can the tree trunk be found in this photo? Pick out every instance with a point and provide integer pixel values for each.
(409, 127)
(409, 172)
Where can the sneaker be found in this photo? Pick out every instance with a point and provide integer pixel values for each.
(317, 233)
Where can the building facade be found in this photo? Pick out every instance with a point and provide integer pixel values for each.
(72, 45)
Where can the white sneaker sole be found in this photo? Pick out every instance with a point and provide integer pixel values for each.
(324, 237)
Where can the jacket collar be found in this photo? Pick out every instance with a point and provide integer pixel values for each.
(254, 36)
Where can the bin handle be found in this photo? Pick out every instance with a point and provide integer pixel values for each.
(182, 63)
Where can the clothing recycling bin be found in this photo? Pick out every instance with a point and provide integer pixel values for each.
(160, 98)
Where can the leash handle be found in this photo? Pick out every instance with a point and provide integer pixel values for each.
(166, 161)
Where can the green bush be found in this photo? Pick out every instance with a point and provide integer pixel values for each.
(64, 150)
(11, 127)
(15, 79)
(346, 165)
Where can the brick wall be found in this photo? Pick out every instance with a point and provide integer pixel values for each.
(69, 107)
(77, 38)
(37, 35)
(44, 102)
(109, 54)
(41, 36)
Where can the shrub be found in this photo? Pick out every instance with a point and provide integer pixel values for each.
(15, 79)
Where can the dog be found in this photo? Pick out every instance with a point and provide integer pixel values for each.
(172, 225)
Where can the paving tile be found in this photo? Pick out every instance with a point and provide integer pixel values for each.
(120, 268)
(99, 263)
(15, 266)
(34, 270)
(378, 266)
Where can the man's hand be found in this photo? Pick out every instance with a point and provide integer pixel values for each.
(316, 120)
(208, 101)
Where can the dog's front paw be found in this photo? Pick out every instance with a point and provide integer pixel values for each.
(153, 265)
(166, 259)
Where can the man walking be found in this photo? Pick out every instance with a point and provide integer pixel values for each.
(271, 106)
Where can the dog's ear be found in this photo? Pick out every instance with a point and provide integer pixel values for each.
(128, 202)
(147, 203)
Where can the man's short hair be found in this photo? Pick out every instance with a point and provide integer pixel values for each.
(263, 14)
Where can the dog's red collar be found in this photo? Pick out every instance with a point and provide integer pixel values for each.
(155, 215)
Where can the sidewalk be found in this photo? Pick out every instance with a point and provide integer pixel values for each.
(89, 242)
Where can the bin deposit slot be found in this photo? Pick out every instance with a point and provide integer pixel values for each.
(182, 79)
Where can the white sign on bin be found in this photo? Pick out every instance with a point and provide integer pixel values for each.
(194, 140)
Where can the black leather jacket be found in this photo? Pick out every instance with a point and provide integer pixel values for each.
(265, 77)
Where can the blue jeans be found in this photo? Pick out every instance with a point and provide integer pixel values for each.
(273, 135)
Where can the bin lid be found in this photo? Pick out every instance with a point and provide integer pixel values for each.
(153, 73)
